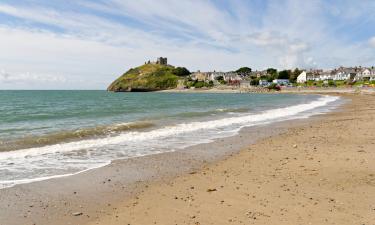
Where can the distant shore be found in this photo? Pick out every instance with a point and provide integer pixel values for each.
(312, 90)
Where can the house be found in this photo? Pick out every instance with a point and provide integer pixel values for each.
(231, 76)
(282, 82)
(302, 78)
(200, 76)
(342, 73)
(363, 74)
(244, 84)
(313, 76)
(213, 76)
(258, 74)
(326, 75)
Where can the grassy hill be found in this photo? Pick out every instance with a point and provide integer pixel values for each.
(148, 77)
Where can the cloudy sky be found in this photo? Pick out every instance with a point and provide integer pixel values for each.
(85, 44)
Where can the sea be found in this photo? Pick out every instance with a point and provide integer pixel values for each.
(49, 134)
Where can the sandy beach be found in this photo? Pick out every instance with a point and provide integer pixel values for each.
(317, 173)
(313, 171)
(203, 112)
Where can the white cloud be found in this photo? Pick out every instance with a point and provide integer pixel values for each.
(372, 41)
(29, 77)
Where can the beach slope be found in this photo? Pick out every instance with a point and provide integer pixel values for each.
(320, 173)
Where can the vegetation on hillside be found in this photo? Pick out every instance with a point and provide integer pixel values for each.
(181, 71)
(148, 77)
(198, 84)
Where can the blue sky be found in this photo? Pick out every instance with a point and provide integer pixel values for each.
(85, 44)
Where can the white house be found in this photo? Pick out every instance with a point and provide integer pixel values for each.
(302, 78)
(344, 73)
(326, 75)
(364, 74)
(231, 76)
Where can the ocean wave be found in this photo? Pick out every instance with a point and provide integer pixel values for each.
(74, 135)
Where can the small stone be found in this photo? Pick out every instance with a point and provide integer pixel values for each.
(294, 146)
(211, 189)
(77, 214)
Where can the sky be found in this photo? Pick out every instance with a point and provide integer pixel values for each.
(86, 44)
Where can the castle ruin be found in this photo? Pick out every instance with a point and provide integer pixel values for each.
(161, 61)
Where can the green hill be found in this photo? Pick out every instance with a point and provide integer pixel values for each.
(148, 77)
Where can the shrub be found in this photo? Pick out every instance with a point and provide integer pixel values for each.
(274, 86)
(331, 83)
(199, 84)
(254, 82)
(181, 71)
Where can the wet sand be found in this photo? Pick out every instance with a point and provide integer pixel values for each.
(298, 172)
(317, 173)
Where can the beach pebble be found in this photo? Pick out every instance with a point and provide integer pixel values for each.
(211, 189)
(77, 214)
(294, 146)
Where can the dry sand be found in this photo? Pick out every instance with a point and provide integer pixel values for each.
(320, 173)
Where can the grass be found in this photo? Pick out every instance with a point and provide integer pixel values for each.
(148, 76)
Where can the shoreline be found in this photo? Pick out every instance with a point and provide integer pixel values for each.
(291, 90)
(320, 172)
(95, 193)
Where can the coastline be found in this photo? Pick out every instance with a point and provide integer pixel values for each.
(314, 173)
(100, 194)
(292, 90)
(96, 192)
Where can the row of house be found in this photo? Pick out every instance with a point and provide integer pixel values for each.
(214, 76)
(338, 74)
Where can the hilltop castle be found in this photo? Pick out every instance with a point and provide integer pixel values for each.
(159, 60)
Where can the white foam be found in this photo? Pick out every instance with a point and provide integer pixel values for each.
(143, 143)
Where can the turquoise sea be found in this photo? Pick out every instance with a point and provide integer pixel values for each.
(46, 134)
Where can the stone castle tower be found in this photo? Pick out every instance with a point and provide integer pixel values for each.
(161, 61)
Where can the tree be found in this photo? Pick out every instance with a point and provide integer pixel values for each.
(221, 80)
(271, 71)
(294, 75)
(244, 70)
(181, 71)
(285, 74)
(254, 82)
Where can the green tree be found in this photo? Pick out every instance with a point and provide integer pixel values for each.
(244, 71)
(254, 82)
(271, 71)
(181, 71)
(285, 74)
(293, 77)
